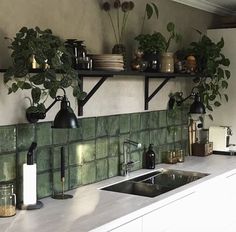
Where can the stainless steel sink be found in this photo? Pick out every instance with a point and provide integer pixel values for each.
(155, 183)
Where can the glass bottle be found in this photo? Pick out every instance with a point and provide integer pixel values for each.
(7, 200)
(150, 158)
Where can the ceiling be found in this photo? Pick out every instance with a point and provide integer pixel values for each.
(221, 7)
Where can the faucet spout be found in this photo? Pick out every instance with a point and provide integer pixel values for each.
(128, 163)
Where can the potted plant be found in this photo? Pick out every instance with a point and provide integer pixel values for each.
(212, 79)
(119, 21)
(33, 46)
(152, 45)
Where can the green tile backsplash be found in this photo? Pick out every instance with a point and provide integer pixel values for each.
(93, 152)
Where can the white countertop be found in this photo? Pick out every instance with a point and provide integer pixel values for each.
(95, 209)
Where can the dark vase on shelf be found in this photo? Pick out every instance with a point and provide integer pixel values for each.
(120, 49)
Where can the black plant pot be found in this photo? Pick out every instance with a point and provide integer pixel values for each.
(153, 60)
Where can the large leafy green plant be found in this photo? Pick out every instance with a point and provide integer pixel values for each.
(213, 75)
(47, 49)
(156, 42)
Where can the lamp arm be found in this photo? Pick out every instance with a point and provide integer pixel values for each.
(180, 102)
(58, 98)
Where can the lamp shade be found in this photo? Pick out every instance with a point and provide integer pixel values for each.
(65, 118)
(197, 106)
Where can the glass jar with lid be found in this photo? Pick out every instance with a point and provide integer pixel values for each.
(7, 200)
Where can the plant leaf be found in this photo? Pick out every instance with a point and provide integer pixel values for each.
(38, 79)
(156, 10)
(149, 11)
(227, 74)
(224, 84)
(209, 108)
(14, 87)
(36, 93)
(226, 97)
(170, 27)
(217, 104)
(211, 117)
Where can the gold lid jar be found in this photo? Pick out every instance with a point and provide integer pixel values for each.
(7, 200)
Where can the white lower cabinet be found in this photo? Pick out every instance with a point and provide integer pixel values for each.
(133, 226)
(168, 217)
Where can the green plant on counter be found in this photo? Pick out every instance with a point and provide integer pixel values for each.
(49, 52)
(213, 75)
(156, 42)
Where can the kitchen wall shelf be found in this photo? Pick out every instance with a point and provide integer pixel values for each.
(147, 75)
(107, 74)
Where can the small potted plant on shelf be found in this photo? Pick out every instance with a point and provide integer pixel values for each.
(155, 45)
(36, 48)
(212, 77)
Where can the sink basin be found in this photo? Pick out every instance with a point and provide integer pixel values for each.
(155, 183)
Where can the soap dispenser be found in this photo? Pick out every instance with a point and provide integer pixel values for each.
(150, 157)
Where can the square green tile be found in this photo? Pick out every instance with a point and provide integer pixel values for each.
(124, 123)
(76, 133)
(8, 138)
(135, 122)
(8, 167)
(113, 164)
(162, 118)
(101, 126)
(145, 117)
(102, 169)
(178, 133)
(44, 185)
(113, 146)
(154, 120)
(185, 132)
(57, 186)
(57, 156)
(113, 125)
(137, 158)
(60, 136)
(158, 137)
(88, 128)
(43, 157)
(75, 176)
(81, 152)
(185, 114)
(101, 148)
(43, 134)
(144, 138)
(25, 136)
(88, 173)
(171, 134)
(22, 159)
(122, 138)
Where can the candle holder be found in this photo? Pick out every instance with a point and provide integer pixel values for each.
(62, 195)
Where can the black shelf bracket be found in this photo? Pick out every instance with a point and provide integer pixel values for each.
(81, 103)
(146, 90)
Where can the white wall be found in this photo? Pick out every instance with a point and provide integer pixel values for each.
(225, 115)
(83, 19)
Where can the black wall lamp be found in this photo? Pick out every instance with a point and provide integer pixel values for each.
(65, 118)
(197, 107)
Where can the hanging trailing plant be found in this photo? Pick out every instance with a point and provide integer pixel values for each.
(55, 67)
(213, 73)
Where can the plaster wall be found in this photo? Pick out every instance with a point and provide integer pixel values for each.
(84, 20)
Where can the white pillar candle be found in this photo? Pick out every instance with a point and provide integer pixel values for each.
(29, 184)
